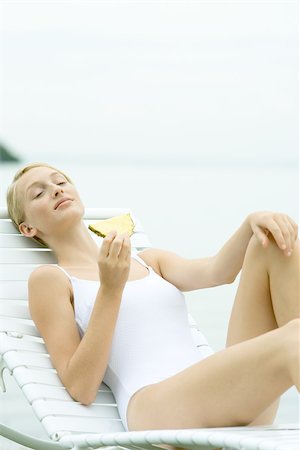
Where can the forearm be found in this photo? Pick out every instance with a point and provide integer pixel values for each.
(229, 259)
(86, 368)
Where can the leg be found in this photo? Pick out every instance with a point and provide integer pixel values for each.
(267, 297)
(218, 391)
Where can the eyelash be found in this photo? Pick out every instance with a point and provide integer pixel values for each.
(61, 182)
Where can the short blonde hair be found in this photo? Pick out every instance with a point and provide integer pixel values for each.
(14, 203)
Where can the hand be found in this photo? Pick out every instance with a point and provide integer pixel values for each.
(283, 229)
(114, 260)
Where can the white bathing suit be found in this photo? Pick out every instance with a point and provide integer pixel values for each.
(152, 338)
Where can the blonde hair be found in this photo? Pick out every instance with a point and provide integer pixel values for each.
(14, 203)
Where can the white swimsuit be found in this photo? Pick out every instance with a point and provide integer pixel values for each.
(152, 338)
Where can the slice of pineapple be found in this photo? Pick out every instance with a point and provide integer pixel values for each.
(122, 224)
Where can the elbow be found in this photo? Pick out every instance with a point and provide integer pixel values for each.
(81, 389)
(86, 402)
(222, 281)
(82, 396)
(230, 280)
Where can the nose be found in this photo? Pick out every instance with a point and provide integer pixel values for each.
(57, 189)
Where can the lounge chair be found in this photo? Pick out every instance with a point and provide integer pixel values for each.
(68, 423)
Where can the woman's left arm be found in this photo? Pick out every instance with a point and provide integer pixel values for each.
(222, 268)
(229, 260)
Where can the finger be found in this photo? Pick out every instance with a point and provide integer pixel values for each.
(288, 234)
(276, 231)
(292, 234)
(125, 251)
(107, 241)
(260, 235)
(116, 246)
(295, 228)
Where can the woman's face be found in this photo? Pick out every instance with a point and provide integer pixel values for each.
(50, 202)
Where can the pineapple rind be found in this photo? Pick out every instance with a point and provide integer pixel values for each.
(122, 223)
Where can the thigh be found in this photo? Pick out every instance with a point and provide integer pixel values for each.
(217, 391)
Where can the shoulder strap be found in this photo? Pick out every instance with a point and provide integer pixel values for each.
(63, 270)
(135, 256)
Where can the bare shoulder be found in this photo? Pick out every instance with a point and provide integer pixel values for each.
(154, 257)
(45, 274)
(42, 278)
(151, 258)
(44, 271)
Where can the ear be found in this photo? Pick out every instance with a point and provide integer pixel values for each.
(27, 230)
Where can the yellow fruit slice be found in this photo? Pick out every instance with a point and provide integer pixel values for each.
(122, 224)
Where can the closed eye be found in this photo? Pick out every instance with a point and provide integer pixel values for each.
(40, 193)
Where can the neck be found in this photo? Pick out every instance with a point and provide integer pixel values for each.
(76, 247)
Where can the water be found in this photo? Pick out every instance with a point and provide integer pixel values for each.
(190, 211)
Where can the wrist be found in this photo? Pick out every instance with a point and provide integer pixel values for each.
(111, 291)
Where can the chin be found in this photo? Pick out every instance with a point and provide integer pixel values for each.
(74, 212)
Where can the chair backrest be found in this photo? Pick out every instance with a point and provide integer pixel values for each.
(23, 350)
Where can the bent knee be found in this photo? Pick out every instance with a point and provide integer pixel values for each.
(256, 248)
(255, 251)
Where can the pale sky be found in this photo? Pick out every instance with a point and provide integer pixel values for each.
(159, 82)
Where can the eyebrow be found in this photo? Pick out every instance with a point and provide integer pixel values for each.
(40, 182)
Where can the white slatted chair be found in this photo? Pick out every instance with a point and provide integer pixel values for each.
(70, 424)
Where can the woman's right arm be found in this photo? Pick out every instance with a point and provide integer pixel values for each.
(81, 364)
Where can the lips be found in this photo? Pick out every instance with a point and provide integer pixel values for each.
(62, 200)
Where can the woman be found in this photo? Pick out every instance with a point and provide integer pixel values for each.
(131, 329)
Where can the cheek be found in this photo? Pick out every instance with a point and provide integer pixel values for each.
(39, 209)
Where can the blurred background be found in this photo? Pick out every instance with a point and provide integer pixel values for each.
(184, 111)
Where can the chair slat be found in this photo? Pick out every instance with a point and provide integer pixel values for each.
(16, 271)
(60, 408)
(24, 375)
(17, 290)
(35, 391)
(57, 425)
(17, 326)
(22, 256)
(15, 359)
(13, 308)
(6, 226)
(9, 343)
(17, 241)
